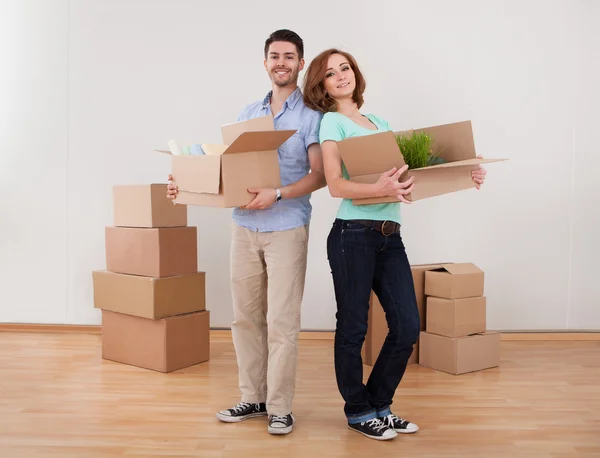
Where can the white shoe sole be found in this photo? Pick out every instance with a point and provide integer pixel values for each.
(377, 438)
(406, 431)
(403, 431)
(279, 431)
(230, 419)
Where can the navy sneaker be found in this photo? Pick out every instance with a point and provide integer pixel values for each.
(400, 425)
(281, 424)
(374, 429)
(242, 411)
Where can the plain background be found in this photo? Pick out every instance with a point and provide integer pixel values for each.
(89, 88)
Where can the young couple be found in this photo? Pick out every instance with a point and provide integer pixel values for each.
(364, 248)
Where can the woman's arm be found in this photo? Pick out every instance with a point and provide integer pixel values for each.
(387, 185)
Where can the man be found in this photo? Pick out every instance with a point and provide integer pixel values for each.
(269, 247)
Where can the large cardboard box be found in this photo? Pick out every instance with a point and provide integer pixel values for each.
(152, 252)
(456, 317)
(149, 297)
(247, 158)
(146, 206)
(452, 142)
(378, 329)
(455, 281)
(163, 345)
(460, 355)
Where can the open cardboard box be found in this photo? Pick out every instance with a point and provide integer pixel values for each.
(367, 157)
(221, 178)
(455, 281)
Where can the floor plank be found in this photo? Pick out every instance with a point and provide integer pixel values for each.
(58, 398)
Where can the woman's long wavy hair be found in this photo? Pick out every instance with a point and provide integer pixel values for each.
(315, 96)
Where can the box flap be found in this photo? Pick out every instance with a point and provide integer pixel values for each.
(259, 141)
(461, 268)
(197, 173)
(233, 130)
(462, 163)
(213, 149)
(428, 266)
(360, 159)
(453, 142)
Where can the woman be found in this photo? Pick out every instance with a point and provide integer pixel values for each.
(365, 252)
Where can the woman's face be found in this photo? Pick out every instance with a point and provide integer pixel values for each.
(339, 78)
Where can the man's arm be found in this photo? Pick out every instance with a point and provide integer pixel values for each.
(265, 197)
(312, 182)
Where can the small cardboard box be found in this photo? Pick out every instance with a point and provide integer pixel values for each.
(377, 329)
(460, 355)
(221, 178)
(156, 252)
(456, 317)
(455, 281)
(146, 206)
(163, 345)
(452, 142)
(149, 297)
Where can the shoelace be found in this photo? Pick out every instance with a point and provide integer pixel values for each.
(392, 419)
(241, 406)
(376, 424)
(278, 419)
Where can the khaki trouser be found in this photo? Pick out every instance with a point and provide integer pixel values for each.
(268, 270)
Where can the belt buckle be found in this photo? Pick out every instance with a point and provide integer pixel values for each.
(382, 228)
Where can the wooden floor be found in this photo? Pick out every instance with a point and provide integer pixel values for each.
(59, 399)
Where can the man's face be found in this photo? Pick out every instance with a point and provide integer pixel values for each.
(282, 63)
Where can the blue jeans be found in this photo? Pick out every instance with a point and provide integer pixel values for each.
(362, 259)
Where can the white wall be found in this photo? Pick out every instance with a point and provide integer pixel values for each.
(93, 86)
(33, 160)
(583, 309)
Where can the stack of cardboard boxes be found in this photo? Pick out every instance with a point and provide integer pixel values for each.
(455, 338)
(452, 312)
(151, 294)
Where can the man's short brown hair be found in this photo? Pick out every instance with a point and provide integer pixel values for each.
(288, 36)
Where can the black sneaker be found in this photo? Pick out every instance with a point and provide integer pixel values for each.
(281, 424)
(374, 429)
(400, 425)
(242, 411)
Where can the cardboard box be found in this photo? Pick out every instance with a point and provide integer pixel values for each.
(146, 206)
(452, 142)
(456, 317)
(157, 252)
(163, 345)
(460, 355)
(149, 297)
(378, 329)
(455, 281)
(221, 178)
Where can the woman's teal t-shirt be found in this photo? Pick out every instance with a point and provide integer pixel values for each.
(337, 127)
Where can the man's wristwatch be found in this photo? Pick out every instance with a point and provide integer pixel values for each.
(277, 195)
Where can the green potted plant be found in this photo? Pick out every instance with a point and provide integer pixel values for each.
(416, 150)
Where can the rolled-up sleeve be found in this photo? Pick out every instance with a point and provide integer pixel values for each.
(312, 132)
